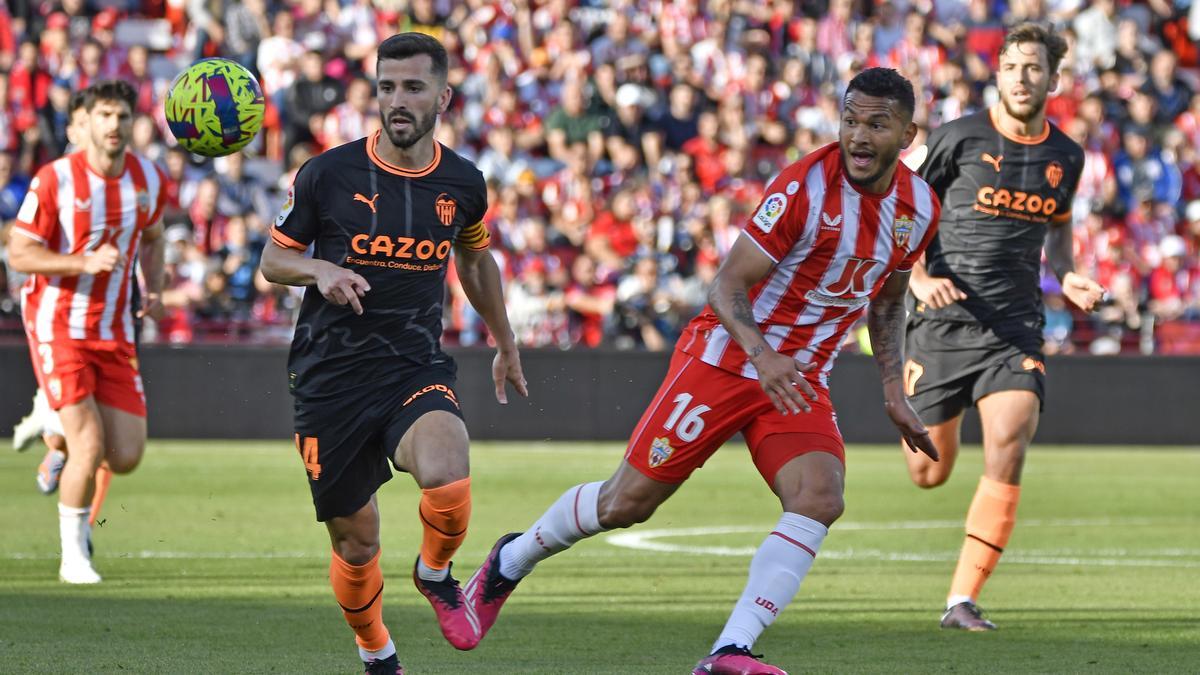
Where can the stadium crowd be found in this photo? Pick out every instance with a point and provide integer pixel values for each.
(624, 143)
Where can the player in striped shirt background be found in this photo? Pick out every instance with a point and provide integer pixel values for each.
(834, 238)
(85, 217)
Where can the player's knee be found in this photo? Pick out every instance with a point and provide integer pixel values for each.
(927, 478)
(624, 511)
(824, 507)
(125, 461)
(356, 550)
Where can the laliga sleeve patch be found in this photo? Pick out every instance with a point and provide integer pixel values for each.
(29, 207)
(770, 212)
(287, 207)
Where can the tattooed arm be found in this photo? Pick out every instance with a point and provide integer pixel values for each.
(885, 323)
(780, 376)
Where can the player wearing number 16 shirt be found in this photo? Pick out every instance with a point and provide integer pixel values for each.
(372, 386)
(833, 239)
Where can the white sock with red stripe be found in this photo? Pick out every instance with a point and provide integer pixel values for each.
(572, 518)
(776, 571)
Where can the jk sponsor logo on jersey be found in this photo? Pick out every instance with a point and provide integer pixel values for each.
(851, 288)
(770, 212)
(660, 452)
(401, 253)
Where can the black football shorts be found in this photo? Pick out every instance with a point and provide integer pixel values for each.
(346, 442)
(952, 364)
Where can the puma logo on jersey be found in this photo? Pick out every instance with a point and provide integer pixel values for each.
(832, 224)
(369, 202)
(994, 161)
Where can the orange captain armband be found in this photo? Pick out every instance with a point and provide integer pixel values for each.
(474, 237)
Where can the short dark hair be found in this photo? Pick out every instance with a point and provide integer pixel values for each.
(110, 90)
(886, 83)
(1055, 44)
(407, 45)
(79, 100)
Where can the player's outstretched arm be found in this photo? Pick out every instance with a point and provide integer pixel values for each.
(885, 323)
(151, 255)
(781, 377)
(480, 279)
(28, 256)
(1060, 253)
(336, 284)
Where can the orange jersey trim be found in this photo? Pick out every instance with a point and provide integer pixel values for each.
(373, 142)
(285, 241)
(1061, 217)
(1017, 138)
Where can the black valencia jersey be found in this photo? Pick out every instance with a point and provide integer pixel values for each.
(394, 227)
(998, 194)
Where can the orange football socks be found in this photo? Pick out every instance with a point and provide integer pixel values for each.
(445, 512)
(989, 523)
(359, 590)
(104, 476)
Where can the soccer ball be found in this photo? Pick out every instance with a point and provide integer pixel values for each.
(215, 107)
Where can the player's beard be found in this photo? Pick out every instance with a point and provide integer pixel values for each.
(1024, 112)
(886, 161)
(419, 126)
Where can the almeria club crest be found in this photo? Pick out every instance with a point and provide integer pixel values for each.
(445, 207)
(901, 230)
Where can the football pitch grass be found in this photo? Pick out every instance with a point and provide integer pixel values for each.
(212, 563)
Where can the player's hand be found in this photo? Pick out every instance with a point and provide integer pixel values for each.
(936, 292)
(782, 378)
(1085, 293)
(914, 433)
(152, 306)
(342, 286)
(106, 258)
(506, 367)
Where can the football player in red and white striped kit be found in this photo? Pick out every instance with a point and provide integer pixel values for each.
(834, 238)
(84, 218)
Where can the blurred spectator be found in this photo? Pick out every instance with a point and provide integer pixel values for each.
(12, 189)
(624, 144)
(307, 101)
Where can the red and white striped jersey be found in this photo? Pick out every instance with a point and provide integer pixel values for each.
(834, 247)
(71, 209)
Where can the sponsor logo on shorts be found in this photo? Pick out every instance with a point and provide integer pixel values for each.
(660, 452)
(55, 386)
(1030, 363)
(446, 392)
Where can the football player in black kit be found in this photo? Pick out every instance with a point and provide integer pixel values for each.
(370, 380)
(1006, 178)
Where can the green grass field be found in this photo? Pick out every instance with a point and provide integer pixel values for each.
(213, 564)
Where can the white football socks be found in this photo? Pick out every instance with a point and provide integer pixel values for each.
(776, 571)
(73, 530)
(572, 518)
(429, 574)
(387, 651)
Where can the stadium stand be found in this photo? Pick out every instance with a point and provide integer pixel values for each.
(623, 142)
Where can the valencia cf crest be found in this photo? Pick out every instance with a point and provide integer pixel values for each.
(1054, 174)
(1030, 363)
(660, 452)
(446, 208)
(901, 229)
